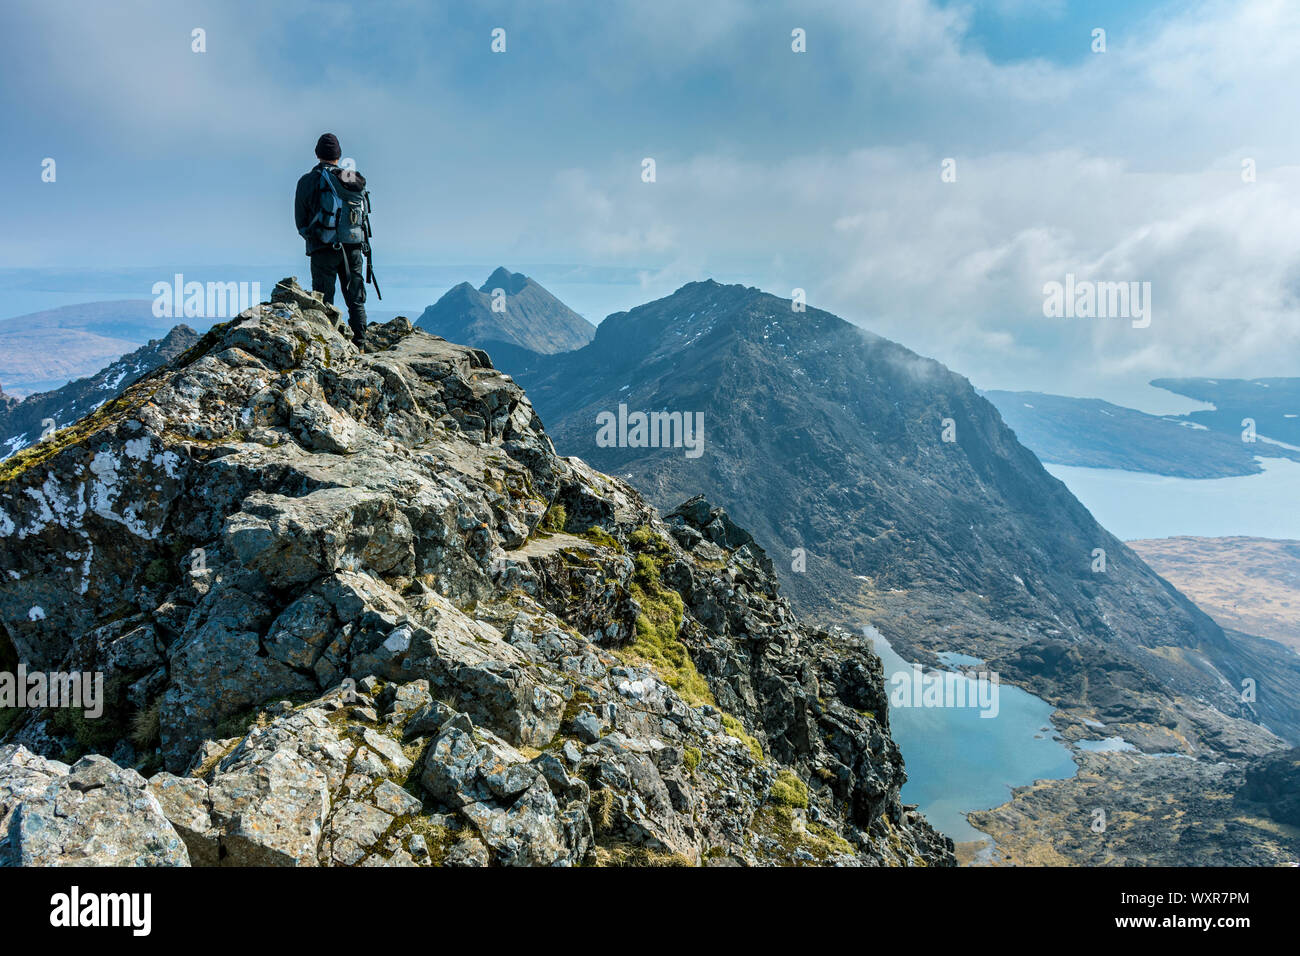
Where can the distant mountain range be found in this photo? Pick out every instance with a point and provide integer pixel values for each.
(510, 315)
(829, 442)
(23, 422)
(1092, 433)
(45, 350)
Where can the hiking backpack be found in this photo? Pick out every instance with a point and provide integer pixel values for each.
(342, 213)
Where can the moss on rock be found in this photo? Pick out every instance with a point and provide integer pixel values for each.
(789, 791)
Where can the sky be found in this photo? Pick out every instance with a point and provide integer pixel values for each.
(817, 170)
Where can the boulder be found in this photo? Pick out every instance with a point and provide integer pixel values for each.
(93, 813)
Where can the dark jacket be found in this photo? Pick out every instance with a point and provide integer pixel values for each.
(305, 199)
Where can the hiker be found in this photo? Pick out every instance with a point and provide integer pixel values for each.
(332, 211)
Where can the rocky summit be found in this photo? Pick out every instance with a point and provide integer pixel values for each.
(351, 608)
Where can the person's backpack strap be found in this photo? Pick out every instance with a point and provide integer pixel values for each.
(331, 215)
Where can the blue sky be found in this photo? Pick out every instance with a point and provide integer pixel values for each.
(1017, 30)
(818, 170)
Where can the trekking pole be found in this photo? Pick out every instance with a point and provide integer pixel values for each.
(370, 256)
(370, 273)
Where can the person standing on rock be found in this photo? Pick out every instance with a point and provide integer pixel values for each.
(332, 210)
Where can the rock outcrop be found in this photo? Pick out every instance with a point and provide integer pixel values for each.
(1134, 809)
(352, 609)
(93, 813)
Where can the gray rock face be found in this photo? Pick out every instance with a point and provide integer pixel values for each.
(93, 813)
(337, 630)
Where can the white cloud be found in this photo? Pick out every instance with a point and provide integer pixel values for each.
(956, 270)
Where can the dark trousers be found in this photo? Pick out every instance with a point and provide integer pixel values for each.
(348, 265)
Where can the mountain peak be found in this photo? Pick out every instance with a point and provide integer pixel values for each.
(708, 311)
(830, 439)
(502, 278)
(524, 316)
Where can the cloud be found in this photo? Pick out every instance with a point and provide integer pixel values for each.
(817, 170)
(957, 270)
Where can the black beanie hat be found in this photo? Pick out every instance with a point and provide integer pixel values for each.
(327, 147)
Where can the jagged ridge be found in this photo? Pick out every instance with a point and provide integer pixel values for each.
(361, 613)
(826, 438)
